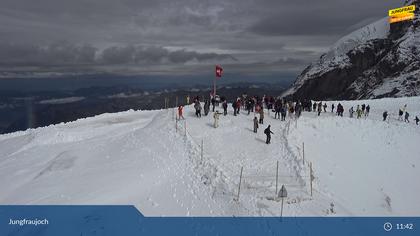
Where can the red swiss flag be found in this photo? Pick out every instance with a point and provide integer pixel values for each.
(219, 71)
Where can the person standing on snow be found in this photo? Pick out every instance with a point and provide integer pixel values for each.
(206, 107)
(268, 133)
(188, 99)
(319, 108)
(238, 106)
(363, 108)
(351, 111)
(180, 111)
(367, 110)
(325, 107)
(291, 109)
(406, 117)
(213, 103)
(277, 108)
(248, 106)
(385, 115)
(332, 108)
(261, 116)
(216, 119)
(401, 112)
(417, 120)
(340, 110)
(358, 112)
(283, 112)
(225, 106)
(255, 124)
(197, 107)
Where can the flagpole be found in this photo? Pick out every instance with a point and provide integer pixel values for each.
(214, 87)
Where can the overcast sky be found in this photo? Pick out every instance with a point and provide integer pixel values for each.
(176, 36)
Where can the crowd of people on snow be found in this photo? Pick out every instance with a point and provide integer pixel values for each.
(281, 108)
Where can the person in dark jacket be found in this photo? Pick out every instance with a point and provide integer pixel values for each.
(417, 120)
(268, 133)
(225, 106)
(400, 114)
(277, 108)
(340, 109)
(319, 108)
(367, 111)
(385, 115)
(255, 124)
(197, 107)
(248, 105)
(406, 117)
(206, 107)
(213, 103)
(283, 112)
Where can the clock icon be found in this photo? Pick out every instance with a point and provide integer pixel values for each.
(387, 226)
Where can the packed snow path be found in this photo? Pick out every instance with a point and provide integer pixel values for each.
(361, 167)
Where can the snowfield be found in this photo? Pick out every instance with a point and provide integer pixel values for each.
(362, 167)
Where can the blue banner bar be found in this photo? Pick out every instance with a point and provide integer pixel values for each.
(127, 220)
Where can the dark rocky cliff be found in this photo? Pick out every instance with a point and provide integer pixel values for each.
(376, 66)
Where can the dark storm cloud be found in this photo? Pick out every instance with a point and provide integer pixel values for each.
(328, 17)
(65, 53)
(178, 32)
(59, 53)
(148, 55)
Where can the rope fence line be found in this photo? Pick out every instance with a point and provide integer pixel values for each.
(201, 161)
(268, 183)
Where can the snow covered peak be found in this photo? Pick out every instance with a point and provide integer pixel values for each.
(377, 30)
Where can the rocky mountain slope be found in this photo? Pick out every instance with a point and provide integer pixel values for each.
(378, 60)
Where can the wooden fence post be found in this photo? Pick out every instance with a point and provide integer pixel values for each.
(303, 152)
(311, 175)
(239, 186)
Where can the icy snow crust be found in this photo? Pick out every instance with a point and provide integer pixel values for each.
(363, 167)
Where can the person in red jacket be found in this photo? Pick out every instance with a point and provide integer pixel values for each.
(180, 109)
(238, 106)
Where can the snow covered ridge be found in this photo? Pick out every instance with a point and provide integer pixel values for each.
(378, 60)
(362, 167)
